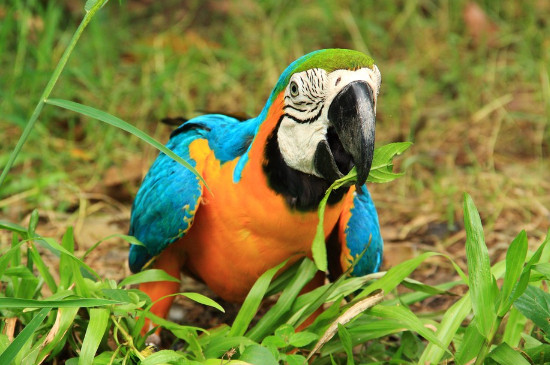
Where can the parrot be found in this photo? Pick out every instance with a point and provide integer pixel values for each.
(266, 177)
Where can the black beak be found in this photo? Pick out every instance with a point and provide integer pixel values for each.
(351, 114)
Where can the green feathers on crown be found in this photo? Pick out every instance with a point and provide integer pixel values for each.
(327, 59)
(333, 59)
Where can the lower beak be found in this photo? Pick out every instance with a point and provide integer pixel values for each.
(352, 116)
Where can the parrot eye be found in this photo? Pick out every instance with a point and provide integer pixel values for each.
(293, 89)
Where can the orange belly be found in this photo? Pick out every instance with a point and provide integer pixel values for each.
(242, 229)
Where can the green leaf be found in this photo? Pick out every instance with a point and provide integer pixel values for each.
(273, 317)
(33, 222)
(365, 329)
(535, 305)
(525, 276)
(258, 355)
(396, 275)
(471, 345)
(410, 345)
(147, 276)
(408, 319)
(447, 329)
(119, 123)
(252, 302)
(13, 349)
(544, 269)
(90, 4)
(539, 354)
(14, 228)
(514, 327)
(382, 163)
(274, 341)
(97, 326)
(129, 239)
(505, 355)
(318, 247)
(220, 346)
(199, 298)
(295, 360)
(53, 246)
(515, 257)
(42, 268)
(164, 357)
(381, 171)
(284, 332)
(479, 269)
(303, 338)
(345, 338)
(65, 319)
(65, 303)
(417, 286)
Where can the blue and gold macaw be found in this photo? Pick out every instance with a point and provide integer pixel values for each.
(267, 176)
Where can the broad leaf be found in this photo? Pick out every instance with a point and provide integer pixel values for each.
(505, 355)
(535, 305)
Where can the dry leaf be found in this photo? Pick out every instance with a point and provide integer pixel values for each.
(347, 316)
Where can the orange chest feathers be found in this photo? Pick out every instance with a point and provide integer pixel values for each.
(242, 229)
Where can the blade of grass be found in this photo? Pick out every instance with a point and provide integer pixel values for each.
(204, 300)
(505, 355)
(514, 327)
(479, 270)
(119, 123)
(64, 320)
(471, 345)
(345, 338)
(147, 276)
(129, 239)
(447, 330)
(13, 349)
(271, 319)
(408, 319)
(42, 268)
(253, 301)
(98, 324)
(35, 303)
(49, 87)
(399, 272)
(55, 247)
(515, 258)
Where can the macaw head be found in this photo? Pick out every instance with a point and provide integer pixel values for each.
(326, 123)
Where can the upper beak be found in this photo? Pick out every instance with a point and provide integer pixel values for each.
(352, 115)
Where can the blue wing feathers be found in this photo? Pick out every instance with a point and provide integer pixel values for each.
(362, 226)
(169, 196)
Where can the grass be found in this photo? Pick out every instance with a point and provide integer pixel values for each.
(476, 104)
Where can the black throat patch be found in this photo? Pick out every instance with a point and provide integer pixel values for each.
(301, 191)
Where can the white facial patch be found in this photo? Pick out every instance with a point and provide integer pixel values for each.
(306, 102)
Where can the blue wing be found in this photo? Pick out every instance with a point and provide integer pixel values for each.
(357, 230)
(165, 205)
